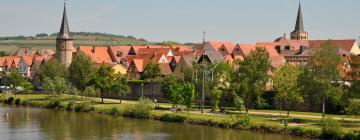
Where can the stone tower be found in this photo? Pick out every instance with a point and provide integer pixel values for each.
(299, 32)
(64, 42)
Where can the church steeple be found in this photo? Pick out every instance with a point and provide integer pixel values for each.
(64, 32)
(299, 27)
(299, 33)
(64, 42)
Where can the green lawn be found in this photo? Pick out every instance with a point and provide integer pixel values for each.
(232, 117)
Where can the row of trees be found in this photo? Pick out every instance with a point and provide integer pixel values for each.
(82, 75)
(245, 82)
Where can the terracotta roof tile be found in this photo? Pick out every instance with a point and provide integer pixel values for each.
(343, 44)
(28, 59)
(2, 61)
(165, 69)
(98, 54)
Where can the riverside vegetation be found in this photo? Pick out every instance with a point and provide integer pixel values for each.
(144, 109)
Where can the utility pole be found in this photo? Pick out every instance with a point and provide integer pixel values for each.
(204, 73)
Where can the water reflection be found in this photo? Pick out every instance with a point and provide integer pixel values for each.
(34, 124)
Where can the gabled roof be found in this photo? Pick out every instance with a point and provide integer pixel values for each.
(165, 69)
(151, 50)
(27, 59)
(9, 60)
(64, 32)
(118, 52)
(208, 51)
(135, 49)
(24, 51)
(181, 48)
(139, 64)
(176, 58)
(343, 44)
(98, 54)
(217, 45)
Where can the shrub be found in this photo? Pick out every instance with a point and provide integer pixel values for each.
(55, 103)
(17, 101)
(70, 106)
(84, 107)
(114, 111)
(10, 100)
(239, 103)
(142, 109)
(172, 118)
(24, 102)
(225, 124)
(243, 122)
(330, 128)
(352, 136)
(354, 107)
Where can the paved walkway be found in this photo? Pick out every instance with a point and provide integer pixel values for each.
(250, 112)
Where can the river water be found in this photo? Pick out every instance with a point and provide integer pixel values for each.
(19, 123)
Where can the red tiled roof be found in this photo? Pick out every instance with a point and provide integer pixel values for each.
(180, 48)
(165, 69)
(28, 60)
(177, 58)
(10, 60)
(343, 44)
(139, 64)
(217, 45)
(2, 61)
(98, 54)
(152, 50)
(136, 48)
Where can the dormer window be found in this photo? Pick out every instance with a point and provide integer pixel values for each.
(119, 54)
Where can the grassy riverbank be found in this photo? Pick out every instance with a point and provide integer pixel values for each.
(299, 124)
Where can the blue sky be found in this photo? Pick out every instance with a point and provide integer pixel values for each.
(243, 21)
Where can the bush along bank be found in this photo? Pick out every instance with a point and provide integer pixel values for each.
(143, 109)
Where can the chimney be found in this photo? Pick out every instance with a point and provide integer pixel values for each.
(93, 49)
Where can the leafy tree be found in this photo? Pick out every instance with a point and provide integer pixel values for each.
(152, 71)
(176, 97)
(90, 91)
(187, 93)
(56, 85)
(286, 83)
(3, 53)
(81, 70)
(354, 76)
(167, 84)
(252, 76)
(354, 107)
(324, 72)
(16, 79)
(215, 98)
(102, 80)
(239, 103)
(119, 86)
(52, 69)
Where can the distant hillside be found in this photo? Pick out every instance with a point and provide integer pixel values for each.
(11, 44)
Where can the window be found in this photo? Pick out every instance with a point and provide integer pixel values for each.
(119, 54)
(278, 48)
(287, 47)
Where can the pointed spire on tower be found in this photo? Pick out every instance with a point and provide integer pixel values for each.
(299, 27)
(204, 33)
(64, 32)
